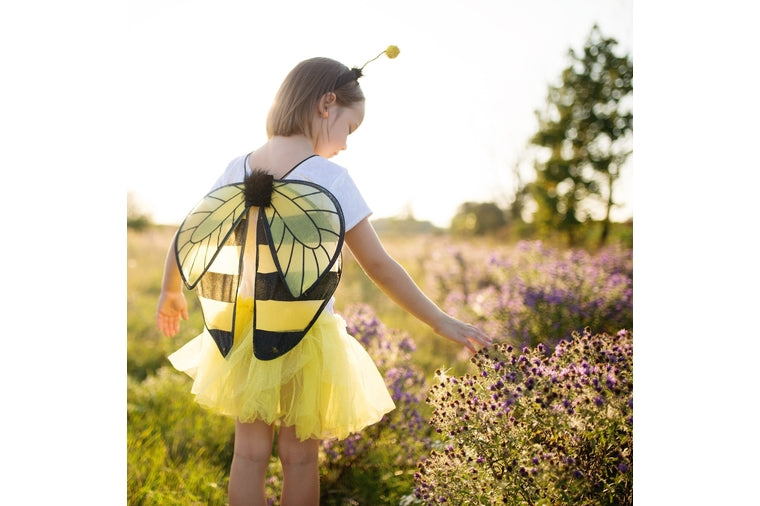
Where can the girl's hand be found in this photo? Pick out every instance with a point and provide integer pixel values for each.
(171, 307)
(462, 333)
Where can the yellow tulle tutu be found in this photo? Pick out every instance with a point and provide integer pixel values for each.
(327, 386)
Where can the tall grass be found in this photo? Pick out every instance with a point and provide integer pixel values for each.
(179, 453)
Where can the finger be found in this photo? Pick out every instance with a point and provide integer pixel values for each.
(165, 330)
(468, 344)
(481, 340)
(166, 325)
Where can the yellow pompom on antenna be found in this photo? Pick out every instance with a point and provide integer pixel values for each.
(390, 51)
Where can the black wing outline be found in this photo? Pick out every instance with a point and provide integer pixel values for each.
(305, 230)
(205, 230)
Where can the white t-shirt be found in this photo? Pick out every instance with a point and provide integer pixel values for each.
(316, 169)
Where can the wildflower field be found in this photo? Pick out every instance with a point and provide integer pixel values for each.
(545, 416)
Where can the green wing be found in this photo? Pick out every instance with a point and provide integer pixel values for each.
(205, 229)
(305, 226)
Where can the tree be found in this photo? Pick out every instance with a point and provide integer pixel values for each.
(586, 131)
(137, 218)
(476, 218)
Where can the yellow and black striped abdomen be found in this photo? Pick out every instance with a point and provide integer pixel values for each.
(280, 319)
(299, 236)
(217, 290)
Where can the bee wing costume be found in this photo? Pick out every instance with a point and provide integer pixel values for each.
(264, 257)
(299, 236)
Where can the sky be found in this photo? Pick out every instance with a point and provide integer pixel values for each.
(445, 122)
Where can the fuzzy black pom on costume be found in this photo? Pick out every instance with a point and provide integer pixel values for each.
(258, 188)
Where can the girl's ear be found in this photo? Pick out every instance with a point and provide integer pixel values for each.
(326, 101)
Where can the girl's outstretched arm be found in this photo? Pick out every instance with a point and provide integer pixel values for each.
(395, 282)
(171, 304)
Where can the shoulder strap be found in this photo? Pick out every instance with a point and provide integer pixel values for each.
(248, 170)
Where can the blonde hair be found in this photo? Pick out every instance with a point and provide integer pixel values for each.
(296, 100)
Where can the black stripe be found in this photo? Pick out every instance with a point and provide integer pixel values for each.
(268, 345)
(223, 340)
(270, 286)
(261, 235)
(218, 286)
(240, 232)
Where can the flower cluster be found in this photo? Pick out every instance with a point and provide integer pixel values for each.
(535, 294)
(532, 428)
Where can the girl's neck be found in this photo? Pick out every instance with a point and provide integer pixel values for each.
(280, 154)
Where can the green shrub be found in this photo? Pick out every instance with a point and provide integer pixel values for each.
(532, 429)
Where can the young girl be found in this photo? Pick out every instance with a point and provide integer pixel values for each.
(322, 383)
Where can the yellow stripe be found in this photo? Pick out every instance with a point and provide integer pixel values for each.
(243, 315)
(266, 263)
(217, 314)
(227, 261)
(278, 316)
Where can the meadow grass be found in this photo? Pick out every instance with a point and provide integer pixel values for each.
(179, 453)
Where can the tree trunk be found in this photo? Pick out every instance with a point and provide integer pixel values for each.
(606, 222)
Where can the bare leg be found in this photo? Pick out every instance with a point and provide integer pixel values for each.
(300, 469)
(253, 448)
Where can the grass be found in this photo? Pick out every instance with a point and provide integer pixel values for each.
(179, 453)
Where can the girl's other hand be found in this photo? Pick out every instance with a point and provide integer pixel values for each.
(171, 307)
(463, 333)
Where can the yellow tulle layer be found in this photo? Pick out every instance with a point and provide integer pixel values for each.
(326, 387)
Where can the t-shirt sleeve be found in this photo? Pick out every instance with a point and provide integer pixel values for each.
(352, 202)
(234, 173)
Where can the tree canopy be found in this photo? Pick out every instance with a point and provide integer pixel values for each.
(477, 218)
(584, 138)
